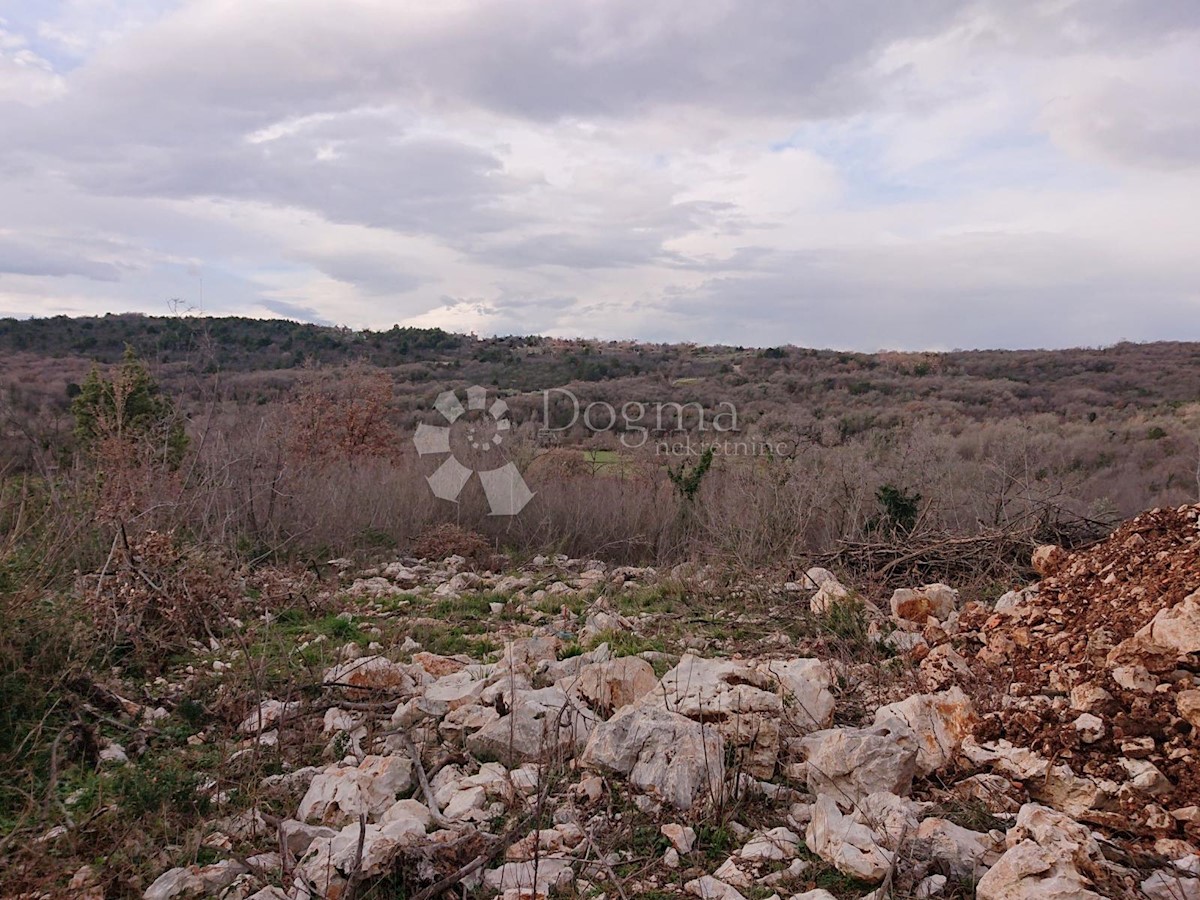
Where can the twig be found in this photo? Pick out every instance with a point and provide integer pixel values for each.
(411, 749)
(506, 840)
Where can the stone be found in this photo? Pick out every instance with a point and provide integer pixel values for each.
(733, 874)
(344, 792)
(542, 724)
(944, 666)
(438, 666)
(1135, 678)
(671, 757)
(1166, 639)
(893, 818)
(775, 844)
(850, 763)
(466, 720)
(1180, 882)
(1146, 777)
(916, 605)
(968, 854)
(609, 686)
(268, 713)
(195, 881)
(529, 651)
(1049, 559)
(1090, 728)
(372, 673)
(298, 836)
(112, 752)
(1188, 704)
(807, 698)
(940, 722)
(995, 792)
(1020, 763)
(462, 803)
(815, 577)
(829, 593)
(330, 862)
(1046, 850)
(747, 702)
(682, 837)
(930, 886)
(849, 846)
(1088, 697)
(556, 670)
(544, 875)
(709, 888)
(454, 690)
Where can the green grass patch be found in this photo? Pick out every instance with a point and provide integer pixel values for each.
(626, 643)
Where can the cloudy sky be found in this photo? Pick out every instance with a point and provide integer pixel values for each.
(895, 173)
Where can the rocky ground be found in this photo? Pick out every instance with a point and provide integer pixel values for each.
(568, 729)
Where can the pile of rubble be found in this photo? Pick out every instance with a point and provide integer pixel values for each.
(1060, 719)
(1095, 672)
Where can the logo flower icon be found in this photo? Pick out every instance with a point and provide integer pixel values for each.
(506, 491)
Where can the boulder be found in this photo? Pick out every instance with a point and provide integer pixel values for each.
(194, 881)
(918, 604)
(851, 847)
(850, 763)
(1188, 704)
(372, 673)
(968, 854)
(341, 793)
(1049, 559)
(829, 593)
(665, 754)
(940, 722)
(541, 724)
(748, 701)
(529, 877)
(1046, 856)
(331, 861)
(609, 686)
(1170, 636)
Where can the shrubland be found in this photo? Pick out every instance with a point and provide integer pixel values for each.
(184, 505)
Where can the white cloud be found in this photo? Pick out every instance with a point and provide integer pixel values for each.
(922, 173)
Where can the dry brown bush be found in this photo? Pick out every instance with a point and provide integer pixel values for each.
(155, 593)
(446, 539)
(341, 414)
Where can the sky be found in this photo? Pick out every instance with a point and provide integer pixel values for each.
(909, 174)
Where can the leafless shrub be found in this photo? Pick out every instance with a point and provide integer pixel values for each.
(446, 539)
(155, 594)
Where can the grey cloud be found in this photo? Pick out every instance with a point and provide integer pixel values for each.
(986, 290)
(408, 184)
(54, 259)
(536, 60)
(297, 311)
(373, 272)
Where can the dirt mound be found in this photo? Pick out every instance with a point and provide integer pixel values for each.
(1052, 656)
